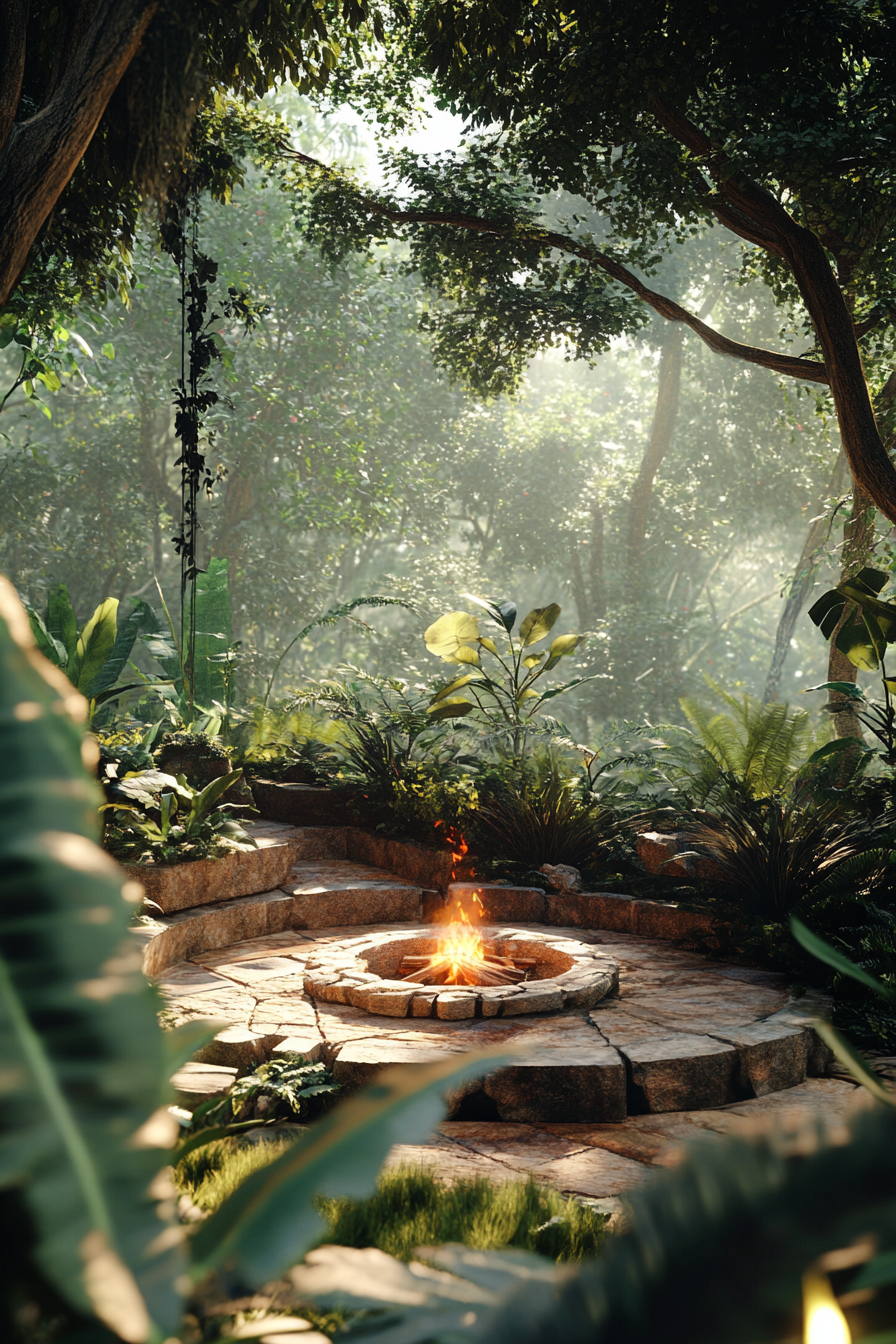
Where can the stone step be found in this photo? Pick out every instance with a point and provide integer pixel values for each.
(339, 892)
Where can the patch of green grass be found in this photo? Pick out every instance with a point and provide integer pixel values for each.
(411, 1208)
(210, 1173)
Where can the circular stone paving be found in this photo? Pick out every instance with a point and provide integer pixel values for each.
(567, 974)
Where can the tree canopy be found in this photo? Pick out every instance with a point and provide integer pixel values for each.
(659, 121)
(98, 99)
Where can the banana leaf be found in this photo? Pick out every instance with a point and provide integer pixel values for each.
(82, 1058)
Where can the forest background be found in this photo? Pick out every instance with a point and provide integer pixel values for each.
(664, 495)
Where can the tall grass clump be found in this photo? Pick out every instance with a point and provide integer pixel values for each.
(411, 1208)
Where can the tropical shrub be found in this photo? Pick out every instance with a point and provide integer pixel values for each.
(405, 772)
(153, 817)
(286, 1088)
(518, 831)
(94, 657)
(504, 690)
(775, 857)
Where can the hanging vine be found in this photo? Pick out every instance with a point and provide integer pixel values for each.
(194, 397)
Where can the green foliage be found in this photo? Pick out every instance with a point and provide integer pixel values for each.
(779, 857)
(549, 823)
(405, 767)
(209, 1175)
(714, 1249)
(157, 818)
(870, 623)
(507, 693)
(270, 1220)
(282, 1089)
(94, 657)
(411, 1208)
(84, 1062)
(329, 618)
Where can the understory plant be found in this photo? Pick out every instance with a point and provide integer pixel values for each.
(94, 657)
(519, 829)
(153, 817)
(714, 1249)
(412, 1208)
(505, 689)
(287, 1088)
(405, 771)
(775, 857)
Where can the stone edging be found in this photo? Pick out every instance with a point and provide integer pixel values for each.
(577, 977)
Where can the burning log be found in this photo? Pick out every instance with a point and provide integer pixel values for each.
(443, 968)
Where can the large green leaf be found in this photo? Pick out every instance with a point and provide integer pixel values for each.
(205, 801)
(539, 623)
(214, 631)
(61, 621)
(95, 644)
(450, 636)
(455, 708)
(824, 952)
(455, 686)
(872, 625)
(51, 648)
(271, 1219)
(82, 1059)
(561, 647)
(112, 669)
(158, 642)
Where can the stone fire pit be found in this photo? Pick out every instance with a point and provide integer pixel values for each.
(565, 974)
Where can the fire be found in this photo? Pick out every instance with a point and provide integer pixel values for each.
(461, 958)
(461, 950)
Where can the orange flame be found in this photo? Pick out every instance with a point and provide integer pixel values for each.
(457, 844)
(462, 948)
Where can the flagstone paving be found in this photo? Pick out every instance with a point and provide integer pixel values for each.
(602, 1163)
(591, 1100)
(684, 1033)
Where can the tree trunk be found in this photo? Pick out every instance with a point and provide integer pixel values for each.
(40, 154)
(858, 536)
(801, 583)
(589, 586)
(668, 397)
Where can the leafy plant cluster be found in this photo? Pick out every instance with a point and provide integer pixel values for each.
(287, 1088)
(153, 817)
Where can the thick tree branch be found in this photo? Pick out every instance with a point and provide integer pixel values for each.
(12, 62)
(824, 301)
(41, 154)
(789, 365)
(73, 20)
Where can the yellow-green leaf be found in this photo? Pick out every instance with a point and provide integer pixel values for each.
(450, 709)
(449, 633)
(465, 654)
(533, 660)
(488, 644)
(527, 695)
(564, 644)
(95, 644)
(455, 686)
(539, 623)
